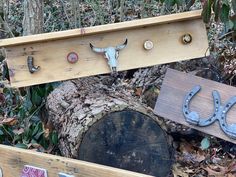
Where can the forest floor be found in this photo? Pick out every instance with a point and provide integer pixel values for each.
(196, 154)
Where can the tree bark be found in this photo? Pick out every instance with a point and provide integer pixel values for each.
(2, 17)
(33, 17)
(76, 105)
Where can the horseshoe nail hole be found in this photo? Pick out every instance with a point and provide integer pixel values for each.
(227, 105)
(223, 125)
(222, 118)
(210, 120)
(190, 94)
(186, 112)
(217, 102)
(185, 106)
(214, 115)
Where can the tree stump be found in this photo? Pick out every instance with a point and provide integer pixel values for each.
(129, 140)
(103, 122)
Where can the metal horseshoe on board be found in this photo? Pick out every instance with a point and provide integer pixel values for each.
(220, 112)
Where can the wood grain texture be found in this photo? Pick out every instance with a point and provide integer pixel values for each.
(51, 56)
(174, 88)
(129, 140)
(102, 28)
(13, 159)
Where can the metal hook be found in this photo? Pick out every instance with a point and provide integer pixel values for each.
(219, 114)
(31, 67)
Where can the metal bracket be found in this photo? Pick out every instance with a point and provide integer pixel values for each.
(219, 114)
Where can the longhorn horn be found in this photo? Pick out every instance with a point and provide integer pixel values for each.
(122, 46)
(96, 49)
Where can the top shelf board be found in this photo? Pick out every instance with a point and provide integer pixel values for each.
(101, 29)
(50, 51)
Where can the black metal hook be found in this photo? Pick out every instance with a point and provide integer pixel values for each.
(219, 114)
(31, 67)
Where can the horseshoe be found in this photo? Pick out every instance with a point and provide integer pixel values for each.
(220, 112)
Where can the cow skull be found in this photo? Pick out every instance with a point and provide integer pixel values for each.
(111, 54)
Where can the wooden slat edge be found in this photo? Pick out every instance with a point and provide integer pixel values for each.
(16, 158)
(102, 28)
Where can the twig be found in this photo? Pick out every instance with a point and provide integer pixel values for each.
(64, 9)
(6, 26)
(79, 14)
(122, 2)
(49, 17)
(226, 34)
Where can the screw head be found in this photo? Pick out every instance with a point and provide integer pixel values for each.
(186, 39)
(72, 57)
(148, 45)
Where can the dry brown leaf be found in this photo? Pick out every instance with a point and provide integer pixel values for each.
(231, 175)
(216, 170)
(46, 133)
(9, 121)
(19, 131)
(178, 172)
(138, 91)
(232, 167)
(186, 147)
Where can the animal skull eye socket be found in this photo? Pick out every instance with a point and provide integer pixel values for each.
(106, 56)
(117, 54)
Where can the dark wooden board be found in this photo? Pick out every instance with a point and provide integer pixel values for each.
(174, 88)
(129, 140)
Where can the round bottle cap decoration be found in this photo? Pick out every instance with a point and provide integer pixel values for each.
(72, 57)
(148, 45)
(186, 39)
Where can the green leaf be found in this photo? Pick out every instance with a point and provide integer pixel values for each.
(1, 132)
(179, 2)
(205, 143)
(21, 112)
(17, 138)
(37, 128)
(229, 25)
(27, 104)
(206, 12)
(170, 3)
(216, 9)
(36, 99)
(54, 138)
(224, 14)
(21, 145)
(38, 135)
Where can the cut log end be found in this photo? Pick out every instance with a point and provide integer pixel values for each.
(99, 123)
(128, 140)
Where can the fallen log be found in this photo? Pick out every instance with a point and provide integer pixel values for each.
(106, 124)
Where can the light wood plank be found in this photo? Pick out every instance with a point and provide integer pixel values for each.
(174, 88)
(102, 28)
(12, 161)
(51, 56)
